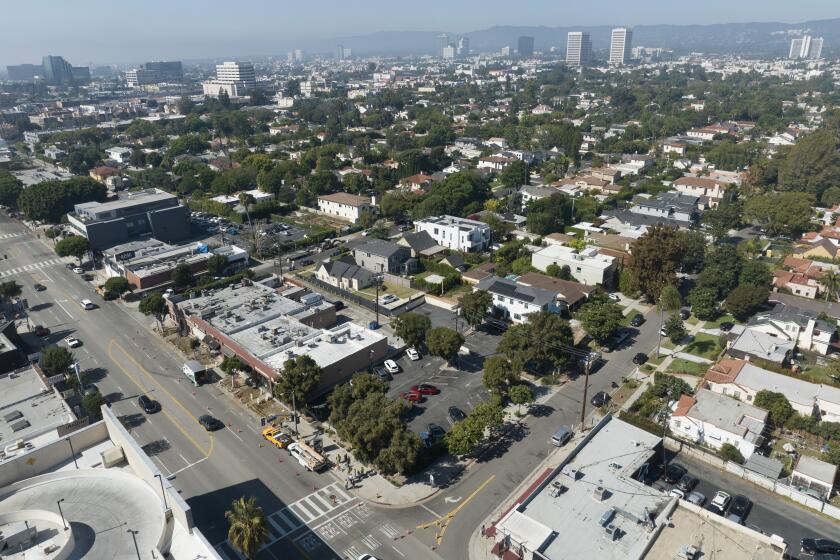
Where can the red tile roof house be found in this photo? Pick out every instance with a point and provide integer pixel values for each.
(800, 276)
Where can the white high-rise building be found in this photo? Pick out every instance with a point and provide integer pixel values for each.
(806, 47)
(463, 46)
(443, 42)
(448, 52)
(620, 46)
(578, 49)
(237, 79)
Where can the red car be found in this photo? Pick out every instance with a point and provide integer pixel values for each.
(424, 389)
(413, 397)
(41, 330)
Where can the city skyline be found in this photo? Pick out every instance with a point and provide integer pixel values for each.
(187, 34)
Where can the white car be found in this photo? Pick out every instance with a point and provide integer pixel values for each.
(614, 297)
(412, 354)
(391, 366)
(388, 298)
(78, 270)
(721, 500)
(73, 342)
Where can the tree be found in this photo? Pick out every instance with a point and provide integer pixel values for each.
(75, 246)
(670, 298)
(233, 364)
(744, 300)
(514, 175)
(10, 189)
(600, 319)
(56, 360)
(499, 375)
(755, 273)
(474, 306)
(182, 276)
(92, 404)
(9, 290)
(721, 270)
(117, 284)
(521, 394)
(830, 197)
(781, 213)
(49, 200)
(674, 329)
(693, 250)
(703, 303)
(216, 265)
(444, 342)
(301, 376)
(463, 436)
(247, 526)
(656, 256)
(563, 272)
(154, 304)
(777, 406)
(246, 200)
(489, 414)
(52, 232)
(724, 217)
(831, 282)
(832, 454)
(729, 452)
(541, 342)
(412, 328)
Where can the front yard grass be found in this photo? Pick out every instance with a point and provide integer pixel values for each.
(680, 365)
(704, 345)
(388, 288)
(722, 319)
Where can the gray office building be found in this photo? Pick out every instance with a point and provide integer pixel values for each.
(23, 72)
(169, 71)
(58, 71)
(525, 46)
(133, 215)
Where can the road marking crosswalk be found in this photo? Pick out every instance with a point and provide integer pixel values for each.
(10, 235)
(371, 542)
(30, 267)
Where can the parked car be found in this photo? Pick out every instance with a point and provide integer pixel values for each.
(640, 358)
(339, 305)
(148, 404)
(435, 431)
(41, 330)
(78, 270)
(739, 509)
(39, 287)
(412, 354)
(387, 298)
(73, 342)
(391, 366)
(456, 414)
(600, 399)
(562, 436)
(673, 473)
(687, 483)
(726, 326)
(382, 374)
(720, 502)
(614, 297)
(413, 397)
(424, 389)
(822, 546)
(110, 296)
(684, 314)
(677, 493)
(637, 320)
(696, 498)
(209, 423)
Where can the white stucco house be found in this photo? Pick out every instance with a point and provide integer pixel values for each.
(588, 266)
(345, 206)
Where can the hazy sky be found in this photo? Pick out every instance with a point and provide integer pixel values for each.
(110, 31)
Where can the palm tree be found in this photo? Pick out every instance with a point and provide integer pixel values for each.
(831, 281)
(248, 529)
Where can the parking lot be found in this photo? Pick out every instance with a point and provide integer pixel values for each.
(769, 514)
(206, 225)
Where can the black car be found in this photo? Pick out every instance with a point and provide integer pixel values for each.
(209, 423)
(687, 483)
(148, 404)
(685, 314)
(640, 358)
(435, 431)
(600, 399)
(739, 508)
(637, 320)
(825, 546)
(456, 414)
(726, 326)
(110, 296)
(673, 473)
(338, 304)
(39, 287)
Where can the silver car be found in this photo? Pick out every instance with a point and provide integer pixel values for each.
(696, 498)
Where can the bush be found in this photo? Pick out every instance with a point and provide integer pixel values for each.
(729, 452)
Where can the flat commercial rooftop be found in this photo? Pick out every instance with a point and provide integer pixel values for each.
(29, 408)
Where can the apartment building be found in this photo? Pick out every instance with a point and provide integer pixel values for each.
(458, 234)
(344, 205)
(588, 266)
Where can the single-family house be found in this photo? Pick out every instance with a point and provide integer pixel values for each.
(496, 163)
(800, 276)
(345, 274)
(515, 301)
(384, 256)
(570, 294)
(701, 187)
(713, 419)
(478, 273)
(345, 206)
(587, 266)
(815, 475)
(119, 154)
(458, 234)
(803, 327)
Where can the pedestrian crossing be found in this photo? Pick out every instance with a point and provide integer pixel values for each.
(9, 235)
(295, 516)
(30, 267)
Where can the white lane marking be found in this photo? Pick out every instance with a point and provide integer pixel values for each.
(397, 551)
(64, 309)
(160, 462)
(430, 510)
(182, 469)
(371, 542)
(184, 458)
(236, 435)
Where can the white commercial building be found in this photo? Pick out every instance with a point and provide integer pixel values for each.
(620, 46)
(578, 48)
(237, 79)
(713, 419)
(344, 205)
(806, 47)
(119, 154)
(458, 234)
(588, 266)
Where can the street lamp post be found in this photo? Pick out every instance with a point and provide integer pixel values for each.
(61, 513)
(134, 538)
(162, 491)
(73, 453)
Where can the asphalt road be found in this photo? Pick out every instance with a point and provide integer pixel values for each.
(126, 359)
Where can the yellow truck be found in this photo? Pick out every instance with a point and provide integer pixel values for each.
(275, 435)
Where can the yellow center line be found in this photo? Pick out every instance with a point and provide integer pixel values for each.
(442, 522)
(205, 452)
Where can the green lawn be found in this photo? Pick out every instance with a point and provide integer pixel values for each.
(388, 288)
(816, 374)
(628, 315)
(722, 319)
(684, 366)
(692, 320)
(704, 345)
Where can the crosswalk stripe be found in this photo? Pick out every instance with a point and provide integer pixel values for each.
(371, 542)
(301, 512)
(389, 531)
(30, 266)
(351, 552)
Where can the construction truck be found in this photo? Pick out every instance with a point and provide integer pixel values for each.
(307, 457)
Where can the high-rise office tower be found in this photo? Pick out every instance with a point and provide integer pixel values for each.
(339, 52)
(170, 71)
(23, 72)
(463, 46)
(58, 71)
(816, 48)
(806, 47)
(525, 46)
(448, 52)
(443, 42)
(578, 48)
(236, 79)
(620, 46)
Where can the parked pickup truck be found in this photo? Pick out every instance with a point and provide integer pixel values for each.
(275, 435)
(307, 457)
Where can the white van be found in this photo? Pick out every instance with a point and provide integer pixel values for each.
(87, 305)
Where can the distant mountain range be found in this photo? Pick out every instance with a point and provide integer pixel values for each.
(767, 39)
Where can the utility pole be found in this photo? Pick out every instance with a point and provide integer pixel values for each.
(587, 367)
(294, 411)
